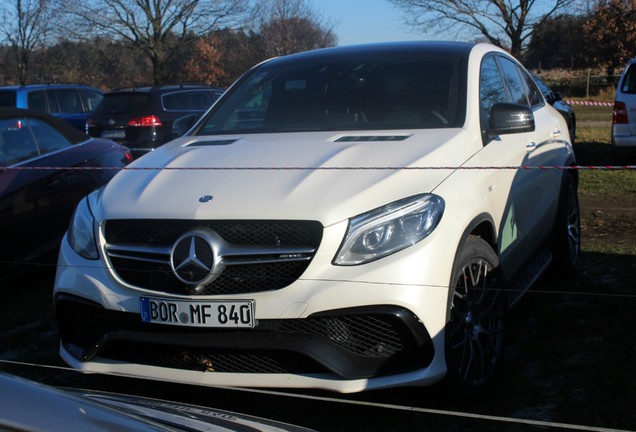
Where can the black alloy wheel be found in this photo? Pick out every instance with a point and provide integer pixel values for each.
(474, 333)
(567, 228)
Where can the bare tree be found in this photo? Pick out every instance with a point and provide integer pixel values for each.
(505, 23)
(289, 26)
(157, 28)
(24, 25)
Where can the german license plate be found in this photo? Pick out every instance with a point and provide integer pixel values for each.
(223, 313)
(119, 133)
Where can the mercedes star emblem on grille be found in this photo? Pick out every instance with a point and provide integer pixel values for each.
(192, 259)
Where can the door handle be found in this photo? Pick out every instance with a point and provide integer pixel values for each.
(531, 146)
(557, 133)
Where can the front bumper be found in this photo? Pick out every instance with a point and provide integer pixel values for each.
(356, 343)
(344, 329)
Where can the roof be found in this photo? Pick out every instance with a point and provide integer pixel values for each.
(65, 128)
(165, 88)
(45, 86)
(384, 49)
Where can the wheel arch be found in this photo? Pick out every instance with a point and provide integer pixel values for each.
(482, 226)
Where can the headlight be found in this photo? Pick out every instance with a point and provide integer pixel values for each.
(80, 234)
(390, 228)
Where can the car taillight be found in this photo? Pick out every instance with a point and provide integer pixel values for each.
(145, 121)
(620, 113)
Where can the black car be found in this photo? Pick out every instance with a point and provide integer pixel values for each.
(38, 191)
(141, 118)
(555, 99)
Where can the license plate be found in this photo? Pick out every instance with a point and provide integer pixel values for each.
(120, 133)
(222, 313)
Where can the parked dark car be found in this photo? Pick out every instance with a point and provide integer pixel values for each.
(38, 192)
(141, 118)
(30, 406)
(72, 102)
(555, 99)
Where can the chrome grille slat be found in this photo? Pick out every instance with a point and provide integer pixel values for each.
(139, 253)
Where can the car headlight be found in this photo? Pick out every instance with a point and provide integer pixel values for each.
(390, 228)
(81, 235)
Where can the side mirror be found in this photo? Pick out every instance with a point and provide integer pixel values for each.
(183, 124)
(509, 118)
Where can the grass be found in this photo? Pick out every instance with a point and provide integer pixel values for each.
(608, 197)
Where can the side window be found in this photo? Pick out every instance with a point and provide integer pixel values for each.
(69, 101)
(90, 99)
(16, 141)
(513, 81)
(177, 101)
(191, 100)
(36, 100)
(48, 139)
(201, 100)
(532, 89)
(491, 89)
(54, 107)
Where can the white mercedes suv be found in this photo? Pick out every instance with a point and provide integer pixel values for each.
(346, 219)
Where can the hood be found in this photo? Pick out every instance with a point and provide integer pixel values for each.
(311, 176)
(28, 405)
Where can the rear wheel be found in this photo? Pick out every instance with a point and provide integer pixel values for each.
(474, 333)
(567, 227)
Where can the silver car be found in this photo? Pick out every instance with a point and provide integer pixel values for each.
(29, 406)
(624, 118)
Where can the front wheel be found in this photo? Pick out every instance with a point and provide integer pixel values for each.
(474, 334)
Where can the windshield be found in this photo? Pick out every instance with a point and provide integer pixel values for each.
(404, 92)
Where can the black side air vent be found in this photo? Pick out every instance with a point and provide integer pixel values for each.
(361, 138)
(212, 143)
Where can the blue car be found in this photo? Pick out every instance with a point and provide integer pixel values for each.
(71, 102)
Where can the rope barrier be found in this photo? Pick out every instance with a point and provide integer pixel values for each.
(335, 168)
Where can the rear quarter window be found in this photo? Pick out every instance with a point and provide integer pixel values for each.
(7, 98)
(628, 85)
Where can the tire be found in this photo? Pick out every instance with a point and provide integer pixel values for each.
(477, 309)
(566, 247)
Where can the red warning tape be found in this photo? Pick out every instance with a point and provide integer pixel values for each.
(589, 103)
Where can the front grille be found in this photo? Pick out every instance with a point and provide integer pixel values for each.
(273, 254)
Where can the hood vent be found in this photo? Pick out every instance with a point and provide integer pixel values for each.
(212, 143)
(363, 138)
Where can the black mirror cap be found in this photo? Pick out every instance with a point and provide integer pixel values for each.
(183, 124)
(509, 118)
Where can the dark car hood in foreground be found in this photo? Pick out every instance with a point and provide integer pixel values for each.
(26, 405)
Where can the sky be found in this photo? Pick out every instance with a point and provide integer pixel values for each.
(364, 21)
